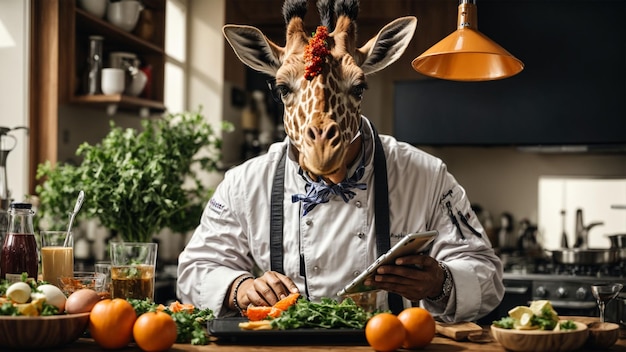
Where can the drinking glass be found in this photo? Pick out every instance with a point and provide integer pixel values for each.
(105, 268)
(604, 293)
(133, 271)
(56, 260)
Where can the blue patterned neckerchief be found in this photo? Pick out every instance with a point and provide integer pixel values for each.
(319, 192)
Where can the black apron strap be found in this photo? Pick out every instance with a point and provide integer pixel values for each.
(276, 217)
(381, 211)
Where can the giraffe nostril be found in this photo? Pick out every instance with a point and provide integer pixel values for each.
(332, 134)
(311, 133)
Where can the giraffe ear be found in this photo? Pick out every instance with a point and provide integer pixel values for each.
(253, 48)
(387, 46)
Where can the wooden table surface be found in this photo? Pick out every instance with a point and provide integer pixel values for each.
(439, 343)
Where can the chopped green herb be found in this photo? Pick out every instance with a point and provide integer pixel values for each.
(568, 325)
(328, 314)
(190, 327)
(505, 323)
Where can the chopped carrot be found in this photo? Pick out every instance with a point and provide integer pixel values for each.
(256, 313)
(288, 301)
(275, 312)
(176, 307)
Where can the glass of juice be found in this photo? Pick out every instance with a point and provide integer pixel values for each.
(57, 260)
(133, 269)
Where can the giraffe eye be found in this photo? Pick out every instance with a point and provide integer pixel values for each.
(282, 90)
(357, 90)
(278, 91)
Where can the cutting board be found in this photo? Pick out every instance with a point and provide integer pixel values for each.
(458, 331)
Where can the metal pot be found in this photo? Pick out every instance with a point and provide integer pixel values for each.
(590, 256)
(618, 241)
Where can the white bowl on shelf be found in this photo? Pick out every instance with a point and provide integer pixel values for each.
(124, 14)
(95, 7)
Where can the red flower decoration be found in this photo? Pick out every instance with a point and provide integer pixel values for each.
(315, 53)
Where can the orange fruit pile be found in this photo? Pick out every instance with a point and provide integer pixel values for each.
(113, 323)
(412, 328)
(256, 313)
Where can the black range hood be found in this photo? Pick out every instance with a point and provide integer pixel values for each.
(570, 97)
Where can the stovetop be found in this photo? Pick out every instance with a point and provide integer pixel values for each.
(552, 271)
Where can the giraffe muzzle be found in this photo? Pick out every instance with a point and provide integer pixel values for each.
(323, 152)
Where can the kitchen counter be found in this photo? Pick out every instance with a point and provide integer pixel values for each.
(439, 343)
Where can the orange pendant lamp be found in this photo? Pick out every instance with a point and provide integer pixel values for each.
(467, 54)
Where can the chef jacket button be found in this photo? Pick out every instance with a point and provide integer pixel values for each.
(356, 273)
(360, 235)
(316, 268)
(357, 204)
(309, 222)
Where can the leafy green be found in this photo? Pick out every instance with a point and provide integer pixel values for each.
(546, 321)
(568, 325)
(505, 323)
(142, 305)
(327, 314)
(49, 309)
(190, 327)
(8, 308)
(137, 182)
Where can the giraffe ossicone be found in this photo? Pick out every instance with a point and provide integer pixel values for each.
(322, 92)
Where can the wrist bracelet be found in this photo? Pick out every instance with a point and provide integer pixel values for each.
(446, 289)
(235, 302)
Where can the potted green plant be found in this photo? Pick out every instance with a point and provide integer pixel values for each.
(137, 182)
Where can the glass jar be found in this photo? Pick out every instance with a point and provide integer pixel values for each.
(19, 252)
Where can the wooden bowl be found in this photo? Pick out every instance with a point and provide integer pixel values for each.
(541, 340)
(23, 332)
(602, 335)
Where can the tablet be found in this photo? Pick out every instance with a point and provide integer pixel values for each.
(412, 243)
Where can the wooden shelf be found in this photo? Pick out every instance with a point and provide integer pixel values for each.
(123, 101)
(60, 32)
(150, 50)
(125, 40)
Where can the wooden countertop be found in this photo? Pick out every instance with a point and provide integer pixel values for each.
(439, 343)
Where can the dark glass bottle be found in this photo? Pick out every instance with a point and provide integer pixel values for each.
(19, 252)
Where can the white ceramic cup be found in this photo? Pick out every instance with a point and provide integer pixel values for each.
(112, 81)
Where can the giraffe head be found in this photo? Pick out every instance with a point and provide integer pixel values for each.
(321, 78)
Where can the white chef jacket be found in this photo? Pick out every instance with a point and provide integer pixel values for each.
(337, 240)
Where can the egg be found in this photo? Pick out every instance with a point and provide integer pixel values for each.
(54, 296)
(81, 301)
(19, 292)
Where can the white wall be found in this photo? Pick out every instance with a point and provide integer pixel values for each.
(14, 67)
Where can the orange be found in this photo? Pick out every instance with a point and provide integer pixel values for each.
(111, 323)
(419, 325)
(288, 301)
(385, 332)
(154, 331)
